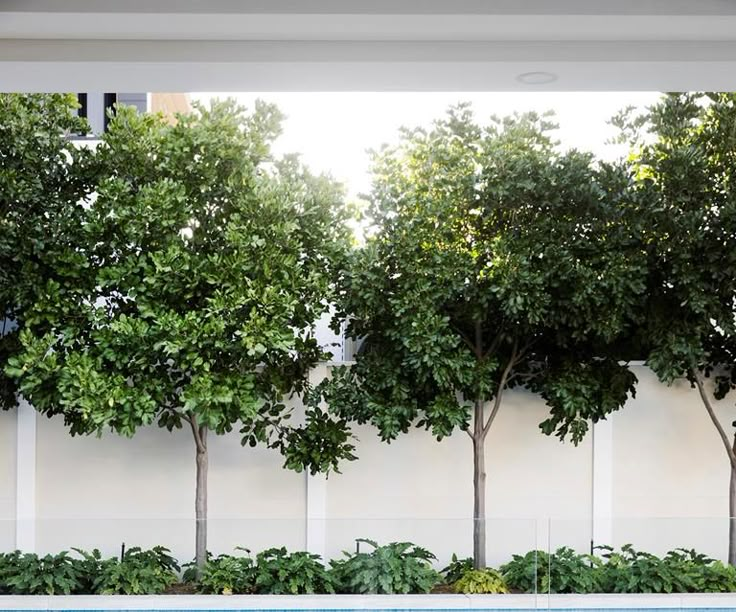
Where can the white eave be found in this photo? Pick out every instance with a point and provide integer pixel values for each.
(261, 45)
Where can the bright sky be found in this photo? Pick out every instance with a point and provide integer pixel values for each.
(333, 131)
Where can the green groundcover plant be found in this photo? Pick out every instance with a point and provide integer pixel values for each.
(486, 582)
(397, 567)
(138, 572)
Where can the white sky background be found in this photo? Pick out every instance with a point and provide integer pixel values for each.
(332, 132)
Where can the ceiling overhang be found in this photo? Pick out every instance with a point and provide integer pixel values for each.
(348, 45)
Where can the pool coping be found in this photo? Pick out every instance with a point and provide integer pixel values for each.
(367, 602)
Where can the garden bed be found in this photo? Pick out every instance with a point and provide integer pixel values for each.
(715, 602)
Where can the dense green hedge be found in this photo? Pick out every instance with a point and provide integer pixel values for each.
(399, 567)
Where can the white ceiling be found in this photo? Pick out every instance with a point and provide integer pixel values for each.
(261, 45)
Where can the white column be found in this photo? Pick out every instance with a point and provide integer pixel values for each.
(316, 528)
(316, 514)
(602, 486)
(25, 478)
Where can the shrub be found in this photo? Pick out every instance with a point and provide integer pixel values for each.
(679, 571)
(279, 572)
(399, 567)
(29, 574)
(481, 581)
(456, 568)
(563, 572)
(89, 569)
(140, 572)
(227, 575)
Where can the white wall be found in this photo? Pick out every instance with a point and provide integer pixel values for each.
(416, 488)
(669, 462)
(98, 492)
(7, 479)
(666, 462)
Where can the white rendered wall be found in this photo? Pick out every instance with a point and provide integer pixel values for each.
(665, 460)
(670, 463)
(416, 488)
(98, 492)
(7, 479)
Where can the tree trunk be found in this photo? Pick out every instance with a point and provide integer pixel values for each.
(732, 513)
(730, 448)
(200, 502)
(479, 489)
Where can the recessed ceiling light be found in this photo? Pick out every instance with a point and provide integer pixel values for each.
(536, 78)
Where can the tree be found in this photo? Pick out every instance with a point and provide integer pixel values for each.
(203, 267)
(42, 182)
(685, 162)
(493, 261)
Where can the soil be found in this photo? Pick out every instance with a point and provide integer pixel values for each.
(181, 588)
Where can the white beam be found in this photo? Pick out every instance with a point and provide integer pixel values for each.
(381, 45)
(341, 66)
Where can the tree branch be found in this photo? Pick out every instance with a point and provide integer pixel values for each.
(197, 431)
(699, 381)
(465, 339)
(494, 345)
(501, 386)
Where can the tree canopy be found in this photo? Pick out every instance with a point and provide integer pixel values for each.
(42, 184)
(191, 297)
(494, 260)
(684, 160)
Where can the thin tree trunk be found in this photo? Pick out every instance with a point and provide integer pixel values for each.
(201, 505)
(479, 489)
(732, 513)
(731, 452)
(200, 497)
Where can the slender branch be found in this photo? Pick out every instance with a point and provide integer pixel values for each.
(713, 417)
(501, 386)
(494, 345)
(465, 339)
(197, 431)
(479, 339)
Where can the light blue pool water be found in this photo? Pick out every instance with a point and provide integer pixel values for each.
(541, 607)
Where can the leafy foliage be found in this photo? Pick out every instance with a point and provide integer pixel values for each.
(684, 162)
(485, 581)
(191, 294)
(399, 567)
(201, 264)
(139, 572)
(488, 244)
(227, 575)
(30, 574)
(456, 568)
(493, 261)
(281, 573)
(679, 571)
(625, 571)
(565, 571)
(43, 179)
